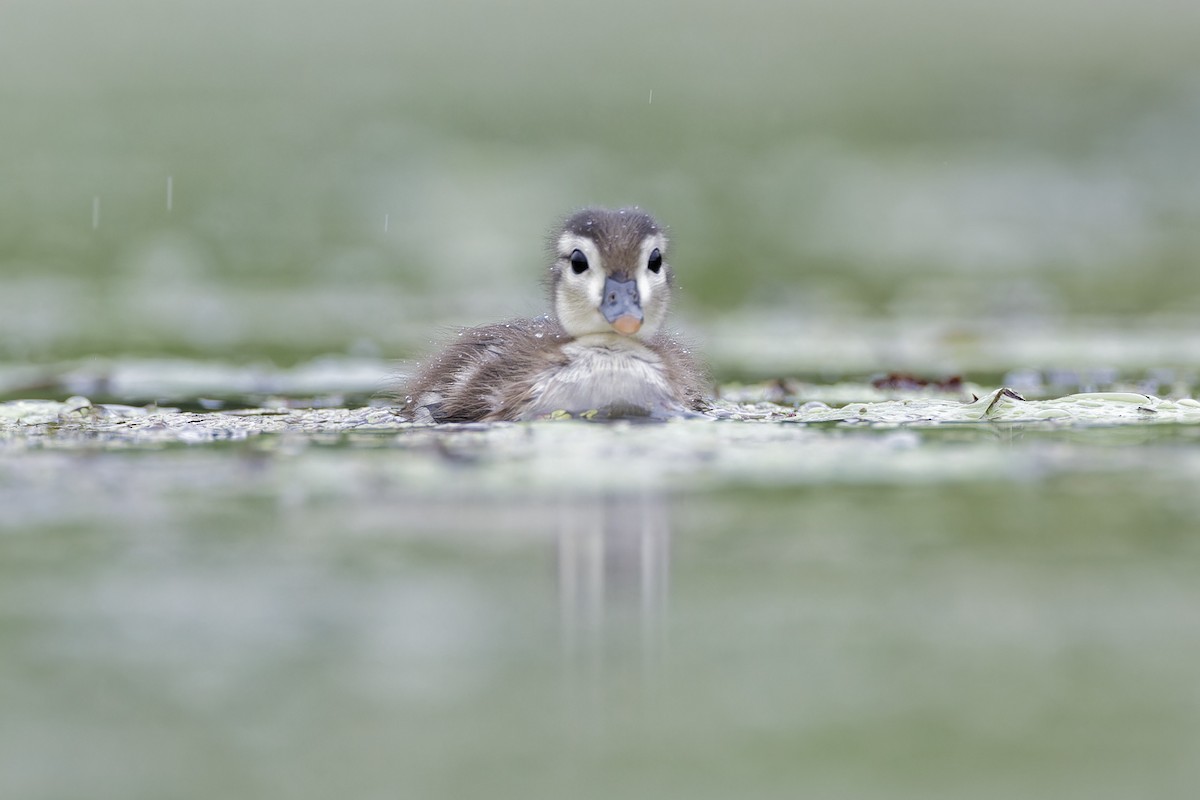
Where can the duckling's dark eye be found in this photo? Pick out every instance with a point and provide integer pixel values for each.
(578, 262)
(655, 262)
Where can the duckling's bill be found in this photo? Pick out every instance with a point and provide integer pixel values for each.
(622, 306)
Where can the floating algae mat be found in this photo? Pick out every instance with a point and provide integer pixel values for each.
(52, 423)
(264, 587)
(742, 438)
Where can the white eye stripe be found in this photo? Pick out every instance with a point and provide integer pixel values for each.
(568, 243)
(649, 245)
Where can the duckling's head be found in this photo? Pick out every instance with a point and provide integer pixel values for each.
(610, 273)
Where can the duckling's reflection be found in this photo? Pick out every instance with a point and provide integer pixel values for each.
(614, 574)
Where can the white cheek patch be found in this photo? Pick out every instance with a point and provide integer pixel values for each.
(578, 296)
(578, 304)
(650, 283)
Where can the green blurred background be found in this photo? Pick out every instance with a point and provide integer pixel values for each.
(353, 176)
(713, 610)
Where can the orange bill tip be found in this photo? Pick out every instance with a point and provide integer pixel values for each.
(627, 325)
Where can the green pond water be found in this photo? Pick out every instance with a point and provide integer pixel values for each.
(228, 569)
(918, 595)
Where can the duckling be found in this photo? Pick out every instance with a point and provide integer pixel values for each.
(601, 350)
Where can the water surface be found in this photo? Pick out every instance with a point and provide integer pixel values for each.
(348, 604)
